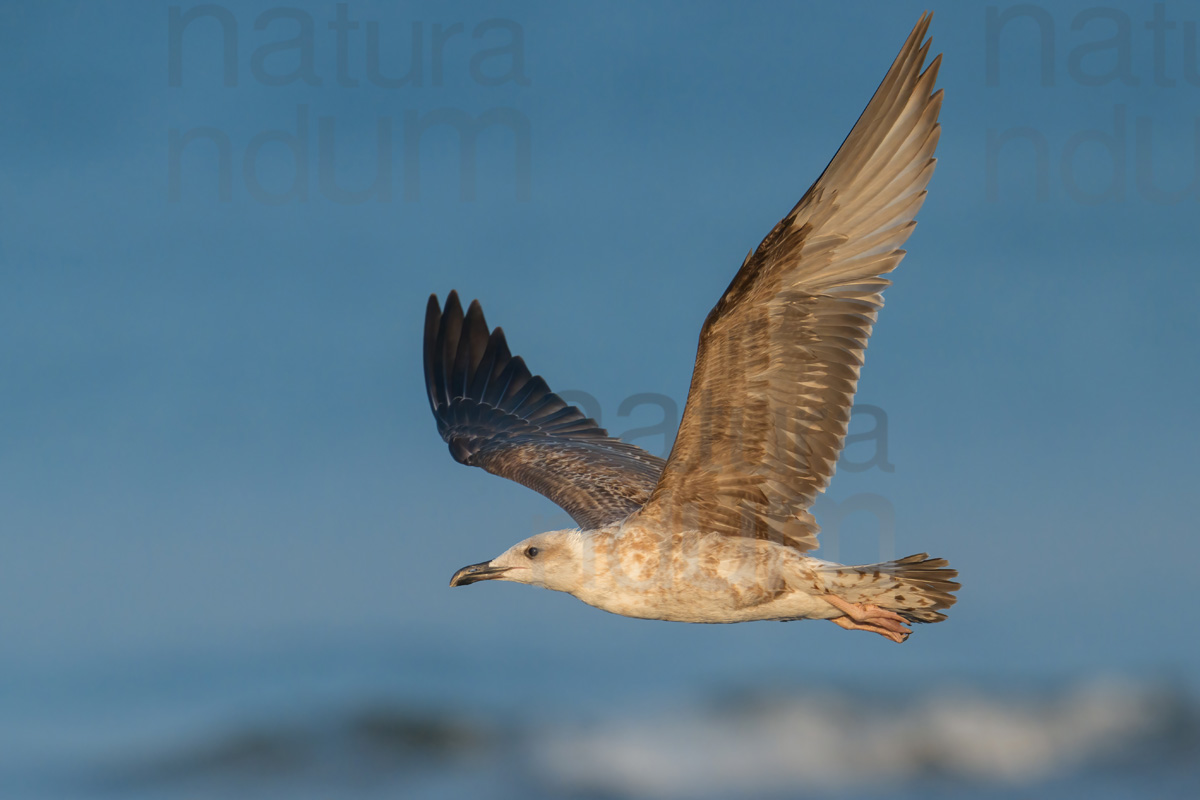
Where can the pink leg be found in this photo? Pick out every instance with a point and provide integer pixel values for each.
(872, 618)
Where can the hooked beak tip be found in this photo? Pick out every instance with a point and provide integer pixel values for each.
(473, 573)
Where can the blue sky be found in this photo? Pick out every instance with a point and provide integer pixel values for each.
(214, 428)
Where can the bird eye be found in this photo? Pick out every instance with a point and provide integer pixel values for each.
(531, 552)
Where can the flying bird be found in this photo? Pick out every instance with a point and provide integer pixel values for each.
(721, 530)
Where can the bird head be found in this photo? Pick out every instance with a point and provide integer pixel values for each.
(552, 560)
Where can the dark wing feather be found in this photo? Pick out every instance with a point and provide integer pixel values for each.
(779, 355)
(494, 414)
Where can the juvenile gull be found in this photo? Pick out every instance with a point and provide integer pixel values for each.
(719, 532)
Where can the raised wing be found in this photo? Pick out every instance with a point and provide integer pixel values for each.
(780, 353)
(494, 414)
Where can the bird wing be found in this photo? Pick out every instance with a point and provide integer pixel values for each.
(779, 355)
(494, 414)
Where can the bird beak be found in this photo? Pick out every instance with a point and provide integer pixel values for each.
(484, 571)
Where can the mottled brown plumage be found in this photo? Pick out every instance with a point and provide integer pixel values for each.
(780, 353)
(718, 533)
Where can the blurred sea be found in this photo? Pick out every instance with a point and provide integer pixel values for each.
(354, 720)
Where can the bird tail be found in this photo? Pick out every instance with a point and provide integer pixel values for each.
(917, 588)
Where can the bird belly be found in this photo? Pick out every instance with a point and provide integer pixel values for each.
(792, 606)
(698, 577)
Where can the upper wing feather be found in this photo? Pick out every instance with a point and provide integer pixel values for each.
(780, 353)
(494, 414)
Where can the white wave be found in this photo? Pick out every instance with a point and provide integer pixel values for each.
(831, 741)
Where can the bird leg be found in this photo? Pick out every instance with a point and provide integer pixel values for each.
(859, 617)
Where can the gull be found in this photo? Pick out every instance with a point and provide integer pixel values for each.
(721, 531)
